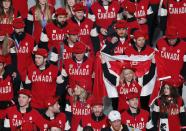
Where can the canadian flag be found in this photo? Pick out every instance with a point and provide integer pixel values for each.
(102, 87)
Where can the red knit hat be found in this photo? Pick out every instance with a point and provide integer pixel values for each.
(175, 81)
(139, 33)
(25, 92)
(73, 30)
(132, 95)
(83, 83)
(60, 11)
(51, 101)
(79, 7)
(96, 101)
(171, 32)
(79, 48)
(42, 52)
(18, 23)
(121, 24)
(129, 6)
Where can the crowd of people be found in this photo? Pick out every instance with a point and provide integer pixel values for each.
(92, 65)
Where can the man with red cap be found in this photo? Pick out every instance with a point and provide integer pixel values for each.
(79, 67)
(56, 118)
(143, 13)
(103, 13)
(116, 44)
(22, 49)
(23, 116)
(69, 41)
(97, 120)
(85, 25)
(135, 116)
(54, 32)
(171, 51)
(43, 79)
(129, 9)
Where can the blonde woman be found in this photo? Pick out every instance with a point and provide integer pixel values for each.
(79, 103)
(38, 16)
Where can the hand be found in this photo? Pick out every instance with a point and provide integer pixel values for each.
(70, 91)
(14, 75)
(103, 31)
(114, 40)
(142, 21)
(102, 59)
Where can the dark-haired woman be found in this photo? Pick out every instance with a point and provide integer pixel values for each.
(168, 112)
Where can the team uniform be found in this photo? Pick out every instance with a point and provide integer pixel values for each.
(59, 120)
(137, 120)
(21, 52)
(171, 55)
(143, 10)
(31, 120)
(123, 90)
(76, 71)
(53, 35)
(97, 123)
(21, 8)
(43, 83)
(79, 110)
(103, 16)
(174, 10)
(85, 26)
(6, 24)
(166, 119)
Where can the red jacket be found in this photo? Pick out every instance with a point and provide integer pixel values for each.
(77, 71)
(85, 27)
(24, 50)
(43, 84)
(172, 55)
(59, 121)
(143, 9)
(28, 121)
(105, 18)
(176, 15)
(6, 89)
(138, 120)
(123, 90)
(6, 25)
(53, 35)
(22, 8)
(97, 125)
(79, 111)
(175, 114)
